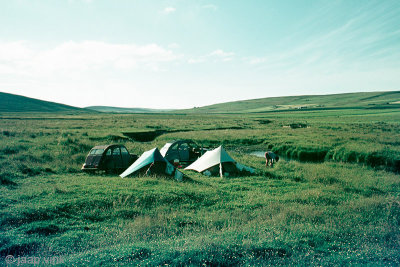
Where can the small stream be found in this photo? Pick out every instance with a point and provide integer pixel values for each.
(261, 154)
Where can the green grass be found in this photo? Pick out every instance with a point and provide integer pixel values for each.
(125, 110)
(337, 203)
(320, 102)
(310, 212)
(17, 103)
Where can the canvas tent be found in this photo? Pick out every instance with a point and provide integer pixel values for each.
(218, 162)
(152, 162)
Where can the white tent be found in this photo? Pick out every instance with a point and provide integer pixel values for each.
(217, 160)
(154, 163)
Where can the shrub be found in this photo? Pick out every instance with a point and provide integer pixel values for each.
(7, 178)
(30, 171)
(11, 150)
(8, 133)
(312, 156)
(6, 181)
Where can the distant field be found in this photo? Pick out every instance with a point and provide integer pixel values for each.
(318, 102)
(333, 201)
(125, 110)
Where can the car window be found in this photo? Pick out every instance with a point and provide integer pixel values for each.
(174, 147)
(116, 151)
(124, 151)
(96, 151)
(183, 146)
(108, 152)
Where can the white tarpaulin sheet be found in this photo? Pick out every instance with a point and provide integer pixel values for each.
(209, 159)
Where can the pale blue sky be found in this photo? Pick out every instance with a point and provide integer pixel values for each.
(180, 54)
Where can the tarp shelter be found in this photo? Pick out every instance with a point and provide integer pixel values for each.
(216, 162)
(152, 162)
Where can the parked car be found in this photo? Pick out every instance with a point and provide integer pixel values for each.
(182, 152)
(108, 158)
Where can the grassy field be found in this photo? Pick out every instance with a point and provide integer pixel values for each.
(367, 100)
(333, 200)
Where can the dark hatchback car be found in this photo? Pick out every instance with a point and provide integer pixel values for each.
(108, 158)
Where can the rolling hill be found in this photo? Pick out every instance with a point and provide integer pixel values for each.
(389, 99)
(18, 103)
(306, 102)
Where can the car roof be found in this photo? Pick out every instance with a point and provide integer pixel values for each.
(107, 146)
(182, 141)
(168, 145)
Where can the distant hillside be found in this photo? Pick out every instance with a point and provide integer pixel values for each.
(306, 102)
(17, 103)
(126, 110)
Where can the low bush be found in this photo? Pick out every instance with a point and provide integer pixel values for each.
(4, 180)
(11, 150)
(8, 133)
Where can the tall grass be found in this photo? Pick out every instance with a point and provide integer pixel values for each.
(331, 215)
(337, 205)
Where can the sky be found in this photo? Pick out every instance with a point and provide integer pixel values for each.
(168, 54)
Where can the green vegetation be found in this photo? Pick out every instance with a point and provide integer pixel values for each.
(17, 103)
(370, 100)
(125, 110)
(337, 203)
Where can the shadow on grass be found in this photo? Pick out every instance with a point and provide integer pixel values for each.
(19, 249)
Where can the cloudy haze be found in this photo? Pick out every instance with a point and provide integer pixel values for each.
(180, 54)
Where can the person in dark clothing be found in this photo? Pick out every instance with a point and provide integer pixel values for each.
(270, 158)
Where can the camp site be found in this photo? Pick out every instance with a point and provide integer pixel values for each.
(203, 197)
(200, 133)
